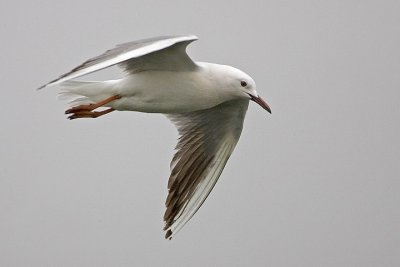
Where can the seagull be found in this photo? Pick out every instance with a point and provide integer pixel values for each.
(206, 102)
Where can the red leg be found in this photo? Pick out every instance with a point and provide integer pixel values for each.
(89, 114)
(87, 111)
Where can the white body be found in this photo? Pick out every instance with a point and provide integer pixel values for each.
(163, 91)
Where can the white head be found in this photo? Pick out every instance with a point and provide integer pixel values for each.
(240, 85)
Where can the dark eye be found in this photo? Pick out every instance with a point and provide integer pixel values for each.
(243, 83)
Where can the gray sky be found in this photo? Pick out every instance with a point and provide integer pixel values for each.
(314, 184)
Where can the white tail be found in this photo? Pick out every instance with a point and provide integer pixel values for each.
(86, 92)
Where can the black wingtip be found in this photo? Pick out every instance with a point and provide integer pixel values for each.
(41, 87)
(168, 234)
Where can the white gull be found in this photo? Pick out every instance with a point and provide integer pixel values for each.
(207, 102)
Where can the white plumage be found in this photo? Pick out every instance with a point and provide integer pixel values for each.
(207, 103)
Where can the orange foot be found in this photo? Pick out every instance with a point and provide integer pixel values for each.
(87, 111)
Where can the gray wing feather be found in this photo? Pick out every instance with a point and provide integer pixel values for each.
(207, 139)
(173, 58)
(158, 53)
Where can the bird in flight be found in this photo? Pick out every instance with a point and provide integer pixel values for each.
(207, 102)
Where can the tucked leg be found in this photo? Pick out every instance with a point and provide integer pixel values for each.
(93, 106)
(87, 111)
(89, 114)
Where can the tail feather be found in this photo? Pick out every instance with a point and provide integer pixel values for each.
(85, 92)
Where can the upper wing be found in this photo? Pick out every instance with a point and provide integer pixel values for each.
(159, 53)
(207, 139)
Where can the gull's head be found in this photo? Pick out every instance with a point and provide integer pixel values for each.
(243, 86)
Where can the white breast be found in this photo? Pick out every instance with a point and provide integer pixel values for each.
(167, 92)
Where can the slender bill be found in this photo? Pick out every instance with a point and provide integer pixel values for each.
(261, 102)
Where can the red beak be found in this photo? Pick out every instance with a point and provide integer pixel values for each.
(261, 102)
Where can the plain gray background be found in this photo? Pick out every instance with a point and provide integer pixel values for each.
(314, 184)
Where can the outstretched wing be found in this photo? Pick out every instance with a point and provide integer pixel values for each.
(159, 53)
(207, 139)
